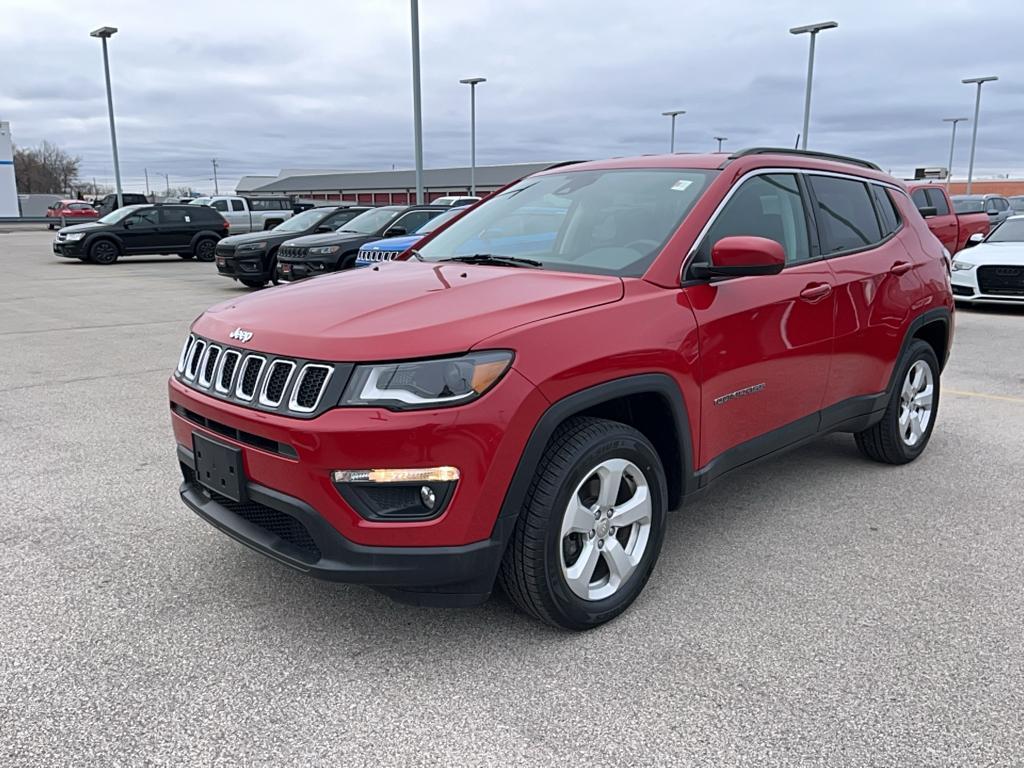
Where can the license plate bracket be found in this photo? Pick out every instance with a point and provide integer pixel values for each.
(219, 467)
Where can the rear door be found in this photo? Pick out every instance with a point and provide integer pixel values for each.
(766, 341)
(178, 224)
(862, 232)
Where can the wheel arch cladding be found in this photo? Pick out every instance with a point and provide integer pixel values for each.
(652, 403)
(936, 333)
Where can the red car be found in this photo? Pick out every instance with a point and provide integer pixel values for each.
(524, 397)
(953, 229)
(70, 209)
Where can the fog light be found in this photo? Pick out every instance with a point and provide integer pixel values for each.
(426, 475)
(427, 496)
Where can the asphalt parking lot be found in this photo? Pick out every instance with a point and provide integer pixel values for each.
(815, 610)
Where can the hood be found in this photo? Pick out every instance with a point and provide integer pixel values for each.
(393, 243)
(255, 237)
(86, 227)
(1010, 254)
(402, 310)
(327, 238)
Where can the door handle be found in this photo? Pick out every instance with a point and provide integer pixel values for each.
(901, 267)
(816, 291)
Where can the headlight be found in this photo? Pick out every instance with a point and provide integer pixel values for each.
(74, 236)
(962, 266)
(426, 383)
(323, 250)
(251, 247)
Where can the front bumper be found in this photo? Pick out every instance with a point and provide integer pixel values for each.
(297, 269)
(248, 265)
(70, 249)
(290, 531)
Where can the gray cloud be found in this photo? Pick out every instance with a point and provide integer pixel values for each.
(327, 84)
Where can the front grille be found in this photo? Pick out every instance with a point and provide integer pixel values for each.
(224, 250)
(1001, 280)
(378, 255)
(284, 526)
(289, 386)
(291, 252)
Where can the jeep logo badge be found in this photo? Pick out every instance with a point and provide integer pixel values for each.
(240, 334)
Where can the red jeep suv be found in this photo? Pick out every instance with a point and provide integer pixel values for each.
(524, 398)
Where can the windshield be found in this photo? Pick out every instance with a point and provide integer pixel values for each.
(201, 201)
(1010, 231)
(368, 223)
(303, 221)
(968, 205)
(601, 222)
(121, 213)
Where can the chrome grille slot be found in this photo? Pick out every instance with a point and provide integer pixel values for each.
(276, 382)
(183, 357)
(252, 367)
(209, 365)
(309, 387)
(228, 366)
(194, 358)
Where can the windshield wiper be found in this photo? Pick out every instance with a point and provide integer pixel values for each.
(501, 261)
(416, 254)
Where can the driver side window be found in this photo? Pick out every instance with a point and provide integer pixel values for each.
(767, 206)
(144, 218)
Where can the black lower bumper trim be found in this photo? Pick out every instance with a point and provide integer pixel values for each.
(443, 576)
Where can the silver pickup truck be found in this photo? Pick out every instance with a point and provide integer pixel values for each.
(249, 214)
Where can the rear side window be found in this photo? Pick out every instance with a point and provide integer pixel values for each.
(237, 205)
(938, 201)
(886, 210)
(765, 206)
(179, 215)
(846, 217)
(269, 204)
(920, 198)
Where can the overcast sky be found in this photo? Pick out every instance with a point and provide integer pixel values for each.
(268, 85)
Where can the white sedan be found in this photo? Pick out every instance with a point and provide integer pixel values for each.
(991, 271)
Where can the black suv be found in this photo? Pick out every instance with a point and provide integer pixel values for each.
(252, 258)
(108, 203)
(317, 254)
(187, 230)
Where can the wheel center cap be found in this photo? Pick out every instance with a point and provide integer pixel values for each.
(602, 527)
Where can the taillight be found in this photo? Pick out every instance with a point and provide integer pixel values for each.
(227, 224)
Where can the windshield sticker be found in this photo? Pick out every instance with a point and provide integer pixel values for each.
(682, 184)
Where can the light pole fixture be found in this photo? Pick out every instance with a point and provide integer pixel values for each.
(974, 128)
(720, 139)
(812, 30)
(673, 114)
(417, 107)
(472, 83)
(952, 144)
(104, 33)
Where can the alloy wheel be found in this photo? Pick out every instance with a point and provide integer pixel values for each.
(916, 403)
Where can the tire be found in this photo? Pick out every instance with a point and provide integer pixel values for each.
(205, 249)
(103, 252)
(538, 565)
(252, 283)
(903, 432)
(186, 256)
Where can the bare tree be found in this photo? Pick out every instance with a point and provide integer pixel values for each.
(46, 168)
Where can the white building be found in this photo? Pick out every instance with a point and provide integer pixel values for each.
(8, 189)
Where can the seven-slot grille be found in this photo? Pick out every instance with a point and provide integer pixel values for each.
(378, 255)
(1001, 280)
(256, 380)
(291, 251)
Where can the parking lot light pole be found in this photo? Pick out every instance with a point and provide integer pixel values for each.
(974, 128)
(472, 82)
(103, 33)
(952, 144)
(720, 139)
(417, 110)
(812, 30)
(216, 187)
(672, 142)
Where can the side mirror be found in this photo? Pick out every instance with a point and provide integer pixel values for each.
(992, 213)
(395, 232)
(127, 224)
(927, 211)
(974, 239)
(742, 256)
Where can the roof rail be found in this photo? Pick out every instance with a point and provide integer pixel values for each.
(800, 153)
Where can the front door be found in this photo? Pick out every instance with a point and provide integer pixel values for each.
(140, 231)
(766, 341)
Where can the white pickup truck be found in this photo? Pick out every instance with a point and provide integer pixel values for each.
(249, 214)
